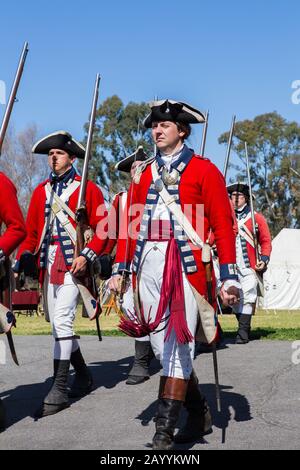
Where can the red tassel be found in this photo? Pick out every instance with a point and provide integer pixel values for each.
(172, 296)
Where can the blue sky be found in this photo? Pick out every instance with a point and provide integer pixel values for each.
(231, 57)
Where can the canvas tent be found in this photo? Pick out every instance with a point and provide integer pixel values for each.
(282, 279)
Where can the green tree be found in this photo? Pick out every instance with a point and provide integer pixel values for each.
(118, 132)
(274, 148)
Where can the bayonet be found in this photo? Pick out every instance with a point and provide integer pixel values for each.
(251, 205)
(229, 144)
(13, 94)
(204, 134)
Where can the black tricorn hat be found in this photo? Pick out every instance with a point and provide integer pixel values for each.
(175, 111)
(240, 187)
(126, 164)
(59, 140)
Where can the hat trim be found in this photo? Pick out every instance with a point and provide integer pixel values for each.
(57, 133)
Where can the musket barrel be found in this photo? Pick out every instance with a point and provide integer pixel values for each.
(251, 203)
(204, 133)
(13, 93)
(82, 192)
(229, 147)
(155, 146)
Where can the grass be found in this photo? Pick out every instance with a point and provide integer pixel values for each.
(266, 324)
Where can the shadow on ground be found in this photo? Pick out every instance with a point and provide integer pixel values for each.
(234, 406)
(25, 400)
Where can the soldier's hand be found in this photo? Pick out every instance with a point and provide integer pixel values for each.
(230, 295)
(115, 283)
(260, 266)
(79, 266)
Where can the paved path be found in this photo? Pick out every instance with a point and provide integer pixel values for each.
(260, 398)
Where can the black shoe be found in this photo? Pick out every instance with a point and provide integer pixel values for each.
(142, 358)
(83, 381)
(57, 398)
(2, 417)
(239, 340)
(198, 424)
(82, 385)
(49, 409)
(167, 417)
(136, 379)
(244, 329)
(199, 421)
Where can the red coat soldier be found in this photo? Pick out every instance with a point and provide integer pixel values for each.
(248, 267)
(11, 216)
(143, 351)
(52, 237)
(175, 201)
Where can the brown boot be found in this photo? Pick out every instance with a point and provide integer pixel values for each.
(172, 393)
(199, 420)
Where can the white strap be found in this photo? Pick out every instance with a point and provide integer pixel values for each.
(50, 194)
(58, 207)
(242, 222)
(175, 208)
(244, 232)
(65, 196)
(62, 205)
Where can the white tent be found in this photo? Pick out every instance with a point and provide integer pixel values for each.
(282, 279)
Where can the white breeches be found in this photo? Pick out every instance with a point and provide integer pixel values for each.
(176, 359)
(248, 281)
(61, 302)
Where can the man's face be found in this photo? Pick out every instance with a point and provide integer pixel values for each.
(166, 136)
(238, 199)
(59, 161)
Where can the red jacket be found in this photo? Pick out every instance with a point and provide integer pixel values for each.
(11, 216)
(115, 218)
(201, 183)
(263, 237)
(35, 220)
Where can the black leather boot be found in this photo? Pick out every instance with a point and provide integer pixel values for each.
(57, 398)
(199, 420)
(83, 380)
(171, 396)
(244, 329)
(140, 370)
(2, 416)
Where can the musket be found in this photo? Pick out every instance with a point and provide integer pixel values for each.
(81, 214)
(204, 133)
(6, 293)
(13, 94)
(208, 274)
(154, 145)
(251, 206)
(229, 144)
